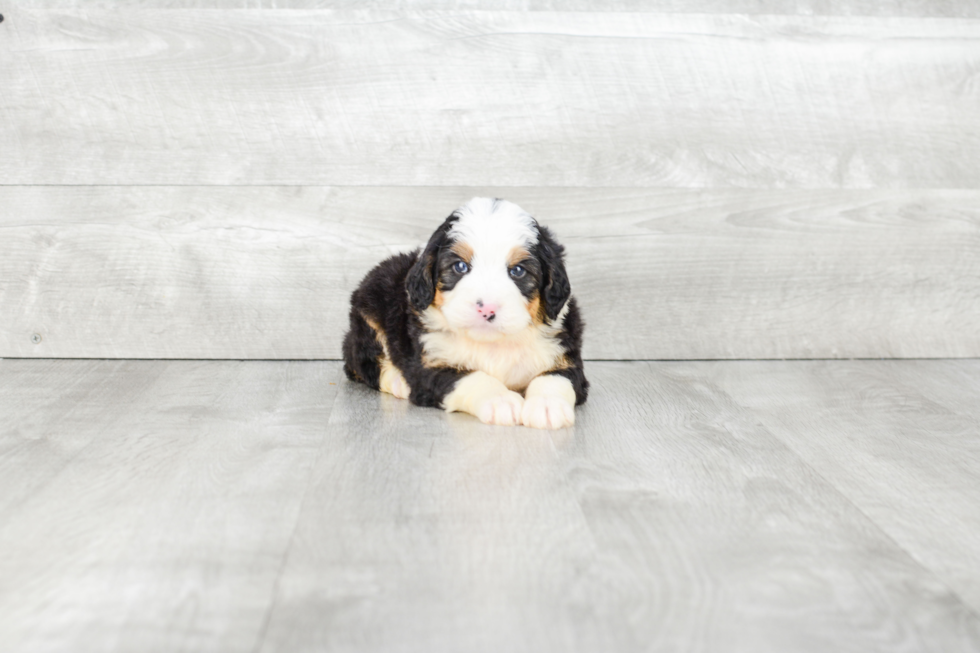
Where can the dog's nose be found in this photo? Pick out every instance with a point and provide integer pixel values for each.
(488, 311)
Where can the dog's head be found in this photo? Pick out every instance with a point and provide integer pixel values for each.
(491, 271)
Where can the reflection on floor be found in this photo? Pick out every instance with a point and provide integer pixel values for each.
(272, 506)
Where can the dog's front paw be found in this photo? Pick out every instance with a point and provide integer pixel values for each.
(400, 387)
(547, 412)
(392, 381)
(503, 409)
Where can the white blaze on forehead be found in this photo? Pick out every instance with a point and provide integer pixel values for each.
(491, 225)
(492, 229)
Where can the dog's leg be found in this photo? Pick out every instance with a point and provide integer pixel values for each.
(486, 398)
(476, 393)
(549, 402)
(392, 381)
(362, 352)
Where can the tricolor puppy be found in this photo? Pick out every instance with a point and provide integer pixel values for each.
(480, 321)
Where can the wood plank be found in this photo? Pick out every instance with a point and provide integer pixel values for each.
(197, 272)
(49, 409)
(430, 532)
(153, 500)
(719, 537)
(899, 439)
(667, 519)
(376, 97)
(923, 8)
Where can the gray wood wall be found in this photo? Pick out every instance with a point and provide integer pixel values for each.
(732, 178)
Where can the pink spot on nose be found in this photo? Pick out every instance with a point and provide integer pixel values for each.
(488, 311)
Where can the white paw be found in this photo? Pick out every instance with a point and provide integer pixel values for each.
(400, 387)
(547, 412)
(392, 381)
(503, 409)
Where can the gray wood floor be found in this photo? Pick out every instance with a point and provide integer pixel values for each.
(695, 506)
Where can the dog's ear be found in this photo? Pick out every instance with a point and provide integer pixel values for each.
(555, 287)
(421, 280)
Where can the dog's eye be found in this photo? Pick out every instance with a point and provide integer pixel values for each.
(517, 271)
(460, 267)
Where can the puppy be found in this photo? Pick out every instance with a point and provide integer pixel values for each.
(479, 317)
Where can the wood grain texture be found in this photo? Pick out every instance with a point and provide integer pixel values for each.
(374, 97)
(667, 520)
(146, 506)
(701, 515)
(900, 439)
(229, 506)
(196, 272)
(426, 531)
(923, 8)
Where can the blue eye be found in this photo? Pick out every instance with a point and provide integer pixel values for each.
(517, 271)
(460, 267)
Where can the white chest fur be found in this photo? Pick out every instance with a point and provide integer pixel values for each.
(515, 360)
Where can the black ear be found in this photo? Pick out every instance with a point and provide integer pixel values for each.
(555, 288)
(421, 279)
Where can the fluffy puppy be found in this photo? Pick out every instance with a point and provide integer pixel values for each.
(480, 321)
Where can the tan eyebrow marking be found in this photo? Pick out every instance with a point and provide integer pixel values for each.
(516, 255)
(463, 251)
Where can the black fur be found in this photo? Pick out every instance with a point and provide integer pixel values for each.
(421, 280)
(571, 341)
(556, 288)
(393, 294)
(531, 283)
(383, 298)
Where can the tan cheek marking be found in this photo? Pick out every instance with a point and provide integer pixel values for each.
(440, 299)
(463, 251)
(536, 310)
(516, 255)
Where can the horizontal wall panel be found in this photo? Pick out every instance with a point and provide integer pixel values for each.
(266, 272)
(372, 97)
(948, 8)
